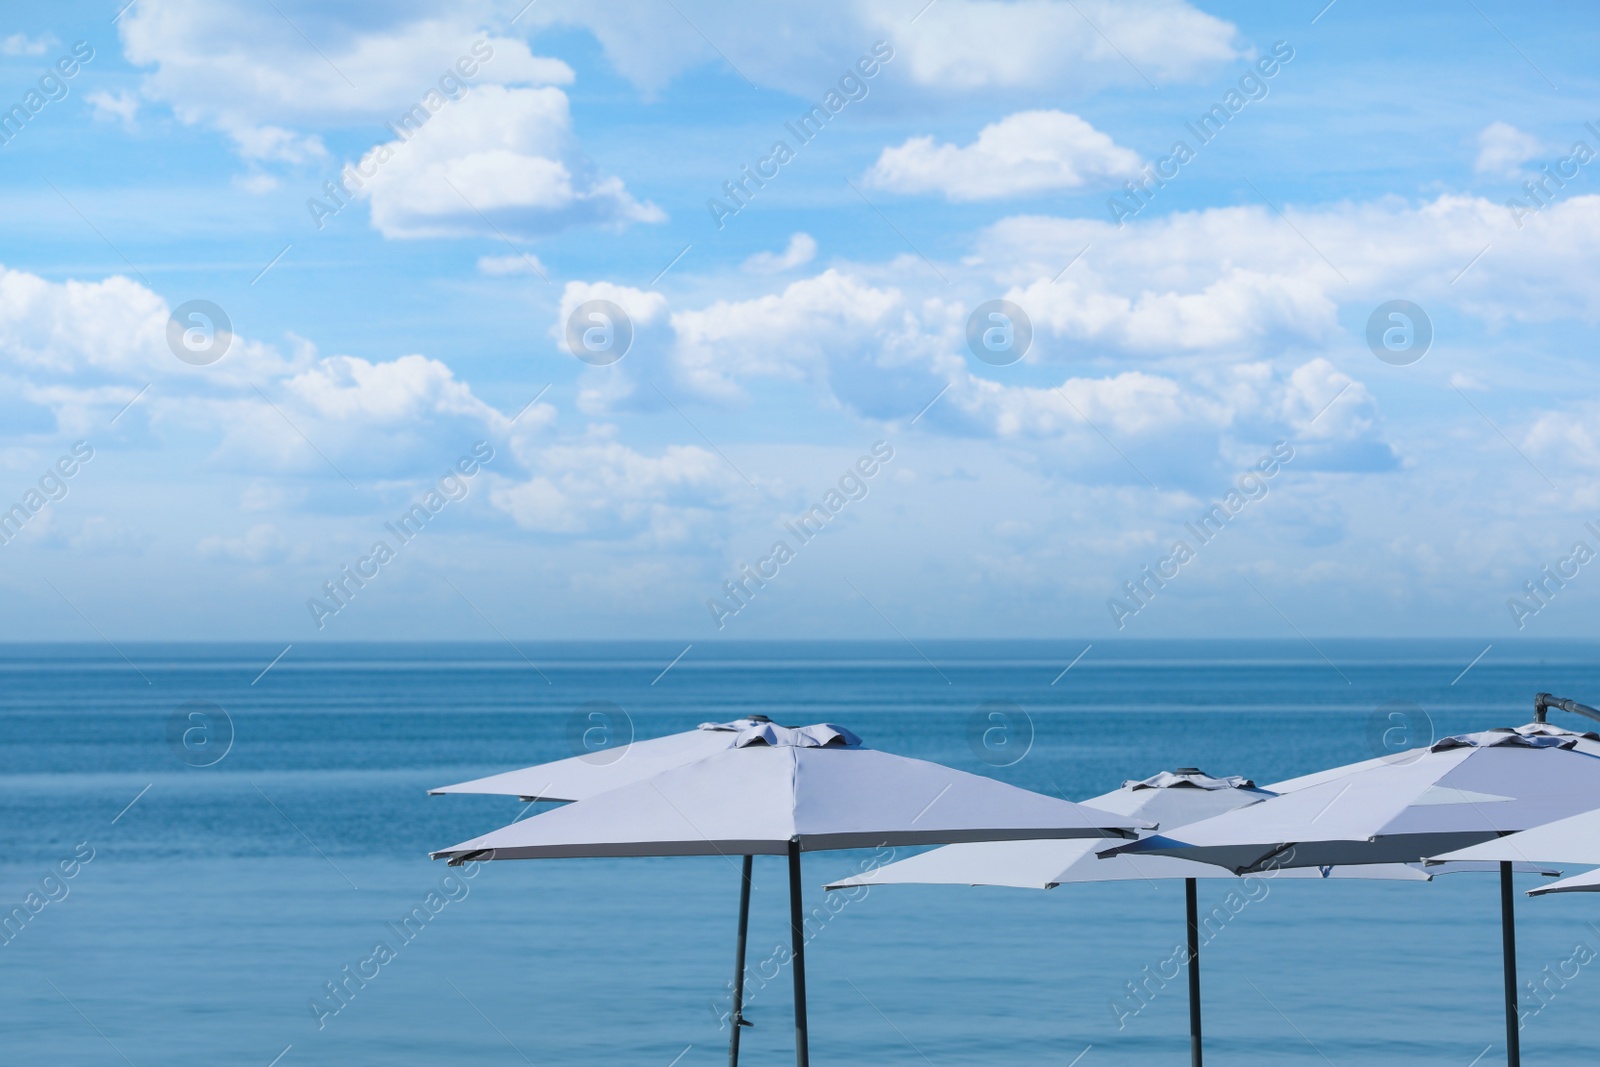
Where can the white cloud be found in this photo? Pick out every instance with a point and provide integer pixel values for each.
(499, 266)
(1503, 149)
(351, 390)
(505, 155)
(275, 77)
(603, 489)
(20, 44)
(954, 48)
(121, 106)
(262, 543)
(76, 353)
(802, 248)
(240, 66)
(1023, 154)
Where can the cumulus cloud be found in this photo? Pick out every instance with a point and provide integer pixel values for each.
(499, 266)
(956, 47)
(1024, 154)
(1503, 149)
(262, 543)
(240, 66)
(74, 354)
(498, 160)
(20, 44)
(504, 149)
(802, 248)
(600, 488)
(121, 106)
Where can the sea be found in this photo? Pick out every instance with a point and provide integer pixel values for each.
(210, 856)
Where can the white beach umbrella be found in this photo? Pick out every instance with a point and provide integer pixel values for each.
(1587, 882)
(783, 792)
(591, 773)
(1169, 799)
(1408, 807)
(1572, 840)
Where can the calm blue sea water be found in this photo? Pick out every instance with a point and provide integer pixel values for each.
(218, 904)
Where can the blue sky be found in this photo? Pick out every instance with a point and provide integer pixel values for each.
(1169, 354)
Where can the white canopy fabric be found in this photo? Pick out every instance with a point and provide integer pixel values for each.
(1170, 799)
(1575, 839)
(1457, 792)
(1588, 882)
(818, 786)
(1583, 741)
(590, 774)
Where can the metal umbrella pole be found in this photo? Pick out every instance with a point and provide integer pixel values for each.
(797, 946)
(737, 1018)
(1189, 894)
(1508, 939)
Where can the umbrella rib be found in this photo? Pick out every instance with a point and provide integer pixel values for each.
(1136, 870)
(1288, 1020)
(890, 1021)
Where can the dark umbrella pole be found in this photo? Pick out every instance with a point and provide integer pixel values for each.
(1508, 939)
(737, 1018)
(1189, 896)
(797, 945)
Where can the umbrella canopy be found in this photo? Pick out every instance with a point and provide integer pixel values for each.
(1169, 799)
(1457, 792)
(816, 786)
(1409, 806)
(784, 791)
(1575, 839)
(1588, 882)
(591, 773)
